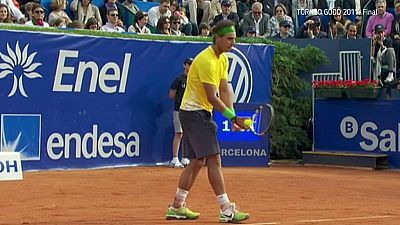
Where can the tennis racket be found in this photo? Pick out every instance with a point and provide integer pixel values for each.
(262, 119)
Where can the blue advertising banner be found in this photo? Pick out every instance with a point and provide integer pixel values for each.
(362, 125)
(70, 101)
(242, 147)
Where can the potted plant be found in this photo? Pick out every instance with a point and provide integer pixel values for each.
(362, 89)
(328, 88)
(350, 88)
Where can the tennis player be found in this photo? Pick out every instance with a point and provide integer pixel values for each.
(207, 89)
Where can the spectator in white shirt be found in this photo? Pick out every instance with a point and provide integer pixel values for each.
(114, 24)
(156, 12)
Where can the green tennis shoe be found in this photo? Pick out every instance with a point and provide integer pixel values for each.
(183, 213)
(232, 215)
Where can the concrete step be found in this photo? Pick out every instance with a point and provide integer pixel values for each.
(351, 159)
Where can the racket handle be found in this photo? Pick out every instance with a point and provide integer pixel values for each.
(248, 122)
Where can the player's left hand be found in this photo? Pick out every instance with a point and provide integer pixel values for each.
(240, 123)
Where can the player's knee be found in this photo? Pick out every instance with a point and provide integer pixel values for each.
(213, 161)
(197, 163)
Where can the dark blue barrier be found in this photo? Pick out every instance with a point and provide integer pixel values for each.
(71, 101)
(325, 15)
(332, 49)
(358, 125)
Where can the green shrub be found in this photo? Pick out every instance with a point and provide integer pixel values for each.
(290, 99)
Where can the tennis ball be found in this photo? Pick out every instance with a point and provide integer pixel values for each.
(248, 122)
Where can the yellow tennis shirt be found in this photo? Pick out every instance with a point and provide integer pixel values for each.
(205, 68)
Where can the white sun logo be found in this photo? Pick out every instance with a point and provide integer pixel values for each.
(19, 64)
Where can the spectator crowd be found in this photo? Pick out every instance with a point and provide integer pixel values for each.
(312, 19)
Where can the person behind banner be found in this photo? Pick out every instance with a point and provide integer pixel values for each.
(337, 25)
(58, 12)
(108, 5)
(187, 27)
(382, 17)
(311, 29)
(84, 10)
(176, 93)
(130, 4)
(226, 14)
(207, 89)
(284, 29)
(76, 24)
(5, 16)
(198, 6)
(204, 30)
(140, 24)
(243, 6)
(92, 24)
(59, 23)
(15, 12)
(395, 35)
(37, 16)
(163, 26)
(279, 16)
(156, 12)
(176, 25)
(351, 31)
(384, 58)
(258, 19)
(114, 24)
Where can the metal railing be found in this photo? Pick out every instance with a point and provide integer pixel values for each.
(350, 65)
(326, 76)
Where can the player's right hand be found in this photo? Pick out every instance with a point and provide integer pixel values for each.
(240, 122)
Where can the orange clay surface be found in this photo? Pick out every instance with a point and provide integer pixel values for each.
(281, 194)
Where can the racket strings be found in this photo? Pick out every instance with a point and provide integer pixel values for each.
(262, 120)
(257, 120)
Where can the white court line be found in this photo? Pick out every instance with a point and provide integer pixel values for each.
(324, 220)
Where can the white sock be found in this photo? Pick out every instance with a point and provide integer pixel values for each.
(180, 196)
(223, 201)
(390, 76)
(175, 159)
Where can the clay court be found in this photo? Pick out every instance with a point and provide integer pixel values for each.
(281, 194)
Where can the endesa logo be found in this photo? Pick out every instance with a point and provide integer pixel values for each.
(21, 133)
(110, 78)
(93, 145)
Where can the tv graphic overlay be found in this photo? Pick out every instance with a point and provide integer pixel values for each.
(21, 133)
